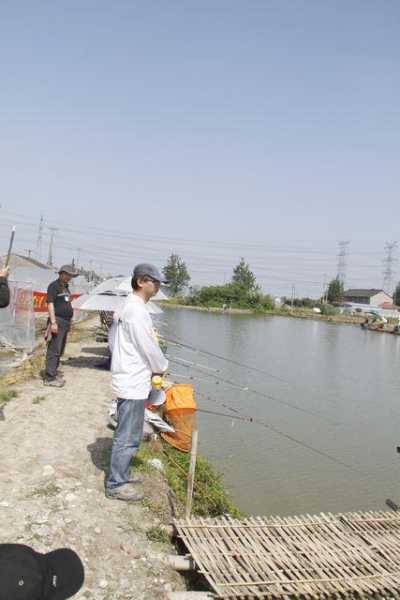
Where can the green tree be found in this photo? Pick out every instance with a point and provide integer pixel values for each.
(176, 273)
(244, 277)
(396, 295)
(335, 290)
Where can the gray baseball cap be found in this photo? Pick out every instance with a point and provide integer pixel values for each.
(144, 269)
(68, 269)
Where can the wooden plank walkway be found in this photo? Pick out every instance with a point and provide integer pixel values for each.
(345, 555)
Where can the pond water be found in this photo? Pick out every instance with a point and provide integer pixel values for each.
(332, 387)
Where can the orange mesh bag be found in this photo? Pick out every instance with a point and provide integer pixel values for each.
(179, 411)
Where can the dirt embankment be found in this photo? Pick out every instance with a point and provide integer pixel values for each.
(55, 447)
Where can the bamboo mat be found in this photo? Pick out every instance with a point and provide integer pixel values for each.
(347, 555)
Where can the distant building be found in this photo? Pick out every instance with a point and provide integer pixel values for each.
(373, 297)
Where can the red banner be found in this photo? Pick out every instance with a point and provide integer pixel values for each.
(39, 301)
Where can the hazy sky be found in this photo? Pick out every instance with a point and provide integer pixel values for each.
(216, 129)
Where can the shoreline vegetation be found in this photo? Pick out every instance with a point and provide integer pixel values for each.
(295, 312)
(243, 295)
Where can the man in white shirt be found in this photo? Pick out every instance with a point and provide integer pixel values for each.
(136, 357)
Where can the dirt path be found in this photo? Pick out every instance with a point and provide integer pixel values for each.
(54, 447)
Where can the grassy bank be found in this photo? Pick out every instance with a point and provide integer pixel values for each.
(209, 497)
(297, 313)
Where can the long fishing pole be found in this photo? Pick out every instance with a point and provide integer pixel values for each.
(192, 364)
(287, 436)
(10, 247)
(236, 386)
(229, 360)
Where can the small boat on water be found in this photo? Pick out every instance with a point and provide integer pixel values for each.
(382, 329)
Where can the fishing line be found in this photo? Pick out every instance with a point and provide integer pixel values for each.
(187, 377)
(191, 363)
(287, 436)
(236, 386)
(229, 360)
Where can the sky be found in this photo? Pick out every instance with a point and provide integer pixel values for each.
(215, 129)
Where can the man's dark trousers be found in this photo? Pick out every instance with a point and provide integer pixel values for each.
(55, 348)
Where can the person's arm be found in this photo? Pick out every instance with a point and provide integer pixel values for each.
(51, 293)
(142, 331)
(4, 289)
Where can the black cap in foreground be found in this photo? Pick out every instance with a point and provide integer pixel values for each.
(144, 269)
(29, 575)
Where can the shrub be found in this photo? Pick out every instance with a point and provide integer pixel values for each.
(329, 310)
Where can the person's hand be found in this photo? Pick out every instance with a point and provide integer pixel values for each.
(54, 328)
(5, 272)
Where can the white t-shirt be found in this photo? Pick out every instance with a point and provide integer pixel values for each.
(136, 354)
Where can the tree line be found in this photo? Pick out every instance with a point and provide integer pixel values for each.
(242, 291)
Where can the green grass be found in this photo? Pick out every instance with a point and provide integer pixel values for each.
(6, 394)
(38, 399)
(157, 534)
(209, 497)
(51, 489)
(144, 454)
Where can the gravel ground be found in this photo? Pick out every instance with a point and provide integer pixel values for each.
(54, 447)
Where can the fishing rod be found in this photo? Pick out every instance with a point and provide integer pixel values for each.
(10, 247)
(229, 360)
(191, 363)
(291, 438)
(236, 386)
(187, 377)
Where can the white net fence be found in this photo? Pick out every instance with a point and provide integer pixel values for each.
(17, 321)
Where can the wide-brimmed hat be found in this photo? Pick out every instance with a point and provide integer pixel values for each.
(29, 575)
(70, 269)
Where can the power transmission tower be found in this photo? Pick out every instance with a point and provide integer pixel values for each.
(293, 295)
(342, 261)
(39, 244)
(50, 258)
(388, 263)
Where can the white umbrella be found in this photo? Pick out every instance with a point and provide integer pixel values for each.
(110, 285)
(108, 302)
(121, 284)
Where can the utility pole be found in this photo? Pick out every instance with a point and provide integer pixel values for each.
(388, 262)
(39, 243)
(78, 255)
(51, 244)
(91, 269)
(342, 261)
(293, 295)
(324, 289)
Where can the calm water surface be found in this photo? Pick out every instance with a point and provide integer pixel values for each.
(347, 377)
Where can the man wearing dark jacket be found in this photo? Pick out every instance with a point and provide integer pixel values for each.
(60, 315)
(4, 289)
